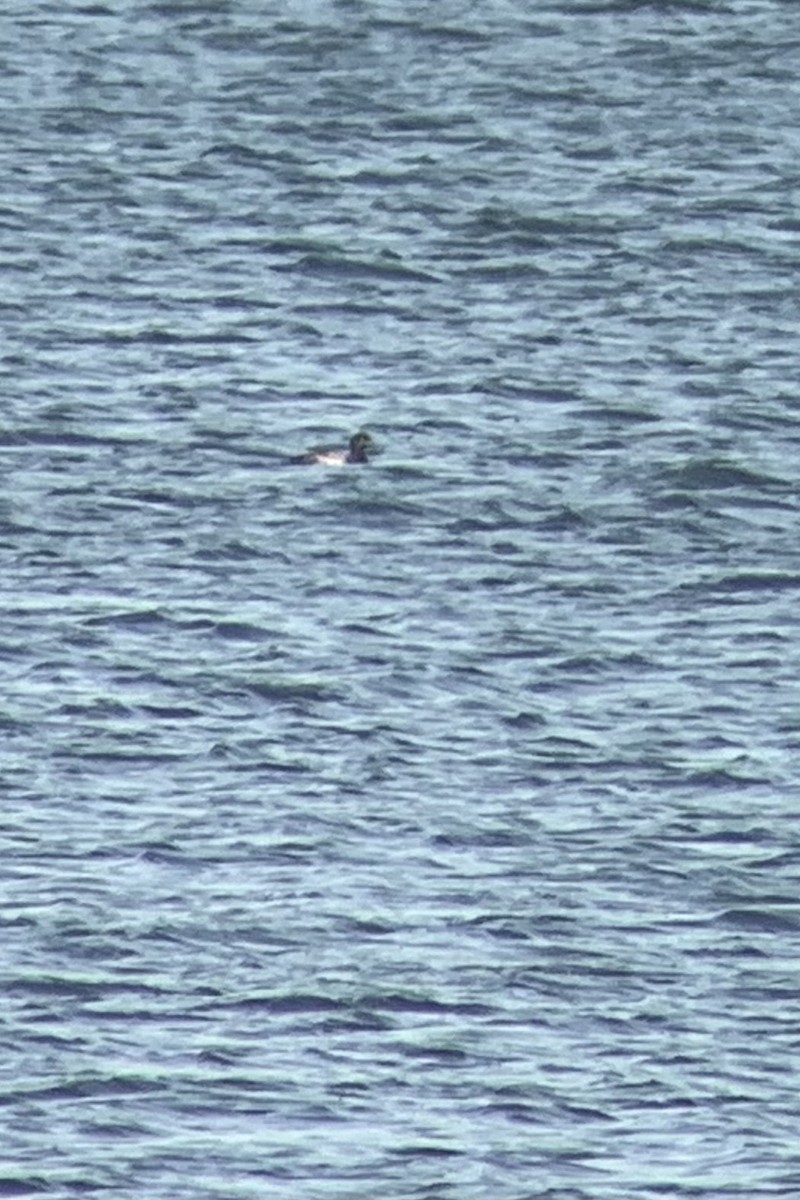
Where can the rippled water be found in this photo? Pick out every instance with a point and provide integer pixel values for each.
(426, 829)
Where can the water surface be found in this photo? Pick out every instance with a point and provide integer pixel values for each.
(428, 829)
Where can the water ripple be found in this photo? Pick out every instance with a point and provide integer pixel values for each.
(404, 829)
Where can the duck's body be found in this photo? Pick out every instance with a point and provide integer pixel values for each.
(358, 450)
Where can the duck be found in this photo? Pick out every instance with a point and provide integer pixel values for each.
(358, 450)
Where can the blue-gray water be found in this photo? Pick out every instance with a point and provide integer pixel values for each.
(426, 830)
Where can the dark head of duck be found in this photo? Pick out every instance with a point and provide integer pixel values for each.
(361, 446)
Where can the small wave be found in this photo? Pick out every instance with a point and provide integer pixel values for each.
(390, 268)
(295, 1002)
(285, 691)
(30, 1185)
(759, 920)
(719, 473)
(403, 1003)
(166, 712)
(426, 1151)
(563, 520)
(743, 581)
(499, 271)
(241, 631)
(144, 618)
(617, 415)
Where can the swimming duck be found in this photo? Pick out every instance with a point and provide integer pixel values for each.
(361, 444)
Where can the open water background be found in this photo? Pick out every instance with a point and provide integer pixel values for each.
(428, 829)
